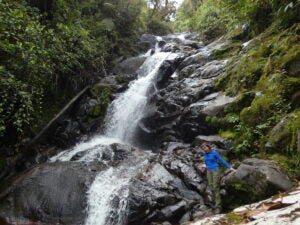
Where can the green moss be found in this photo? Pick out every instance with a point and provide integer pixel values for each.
(260, 110)
(270, 54)
(235, 217)
(227, 51)
(95, 111)
(102, 94)
(119, 79)
(242, 101)
(244, 196)
(227, 134)
(289, 164)
(243, 75)
(284, 136)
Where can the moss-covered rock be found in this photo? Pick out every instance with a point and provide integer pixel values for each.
(259, 111)
(227, 51)
(265, 76)
(255, 179)
(242, 101)
(100, 92)
(284, 136)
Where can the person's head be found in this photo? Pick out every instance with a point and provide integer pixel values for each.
(205, 146)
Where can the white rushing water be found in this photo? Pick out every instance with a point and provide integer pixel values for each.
(125, 112)
(121, 121)
(109, 184)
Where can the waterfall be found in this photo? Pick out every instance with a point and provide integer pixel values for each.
(121, 121)
(125, 112)
(109, 184)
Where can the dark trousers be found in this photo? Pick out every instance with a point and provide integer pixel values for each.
(213, 177)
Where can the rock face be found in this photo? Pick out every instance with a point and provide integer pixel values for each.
(128, 66)
(275, 210)
(256, 179)
(56, 192)
(261, 176)
(51, 193)
(169, 187)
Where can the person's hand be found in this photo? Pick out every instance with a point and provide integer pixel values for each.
(202, 167)
(233, 170)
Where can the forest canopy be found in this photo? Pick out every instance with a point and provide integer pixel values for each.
(50, 50)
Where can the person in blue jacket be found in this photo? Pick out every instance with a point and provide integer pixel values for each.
(212, 159)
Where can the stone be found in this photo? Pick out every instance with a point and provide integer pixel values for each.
(51, 192)
(128, 66)
(258, 178)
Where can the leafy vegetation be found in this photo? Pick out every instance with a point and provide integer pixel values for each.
(50, 50)
(264, 119)
(213, 18)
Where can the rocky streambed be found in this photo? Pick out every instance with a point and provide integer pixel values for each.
(148, 173)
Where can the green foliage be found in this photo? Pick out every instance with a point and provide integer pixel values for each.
(227, 51)
(264, 74)
(158, 27)
(216, 17)
(245, 195)
(289, 163)
(50, 50)
(284, 136)
(16, 105)
(269, 70)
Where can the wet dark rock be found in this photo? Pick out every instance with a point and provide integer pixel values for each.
(214, 139)
(52, 193)
(144, 200)
(199, 58)
(128, 66)
(209, 70)
(161, 43)
(193, 44)
(147, 41)
(170, 47)
(212, 105)
(158, 195)
(67, 133)
(257, 179)
(164, 73)
(172, 146)
(188, 70)
(174, 212)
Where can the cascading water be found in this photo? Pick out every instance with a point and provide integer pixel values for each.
(125, 112)
(121, 121)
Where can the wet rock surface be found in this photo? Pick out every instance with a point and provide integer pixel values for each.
(51, 193)
(170, 187)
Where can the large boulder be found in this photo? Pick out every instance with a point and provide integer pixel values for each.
(128, 66)
(56, 192)
(255, 179)
(148, 41)
(218, 141)
(52, 192)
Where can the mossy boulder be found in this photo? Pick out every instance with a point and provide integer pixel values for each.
(259, 111)
(96, 106)
(227, 51)
(284, 136)
(292, 62)
(242, 101)
(254, 180)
